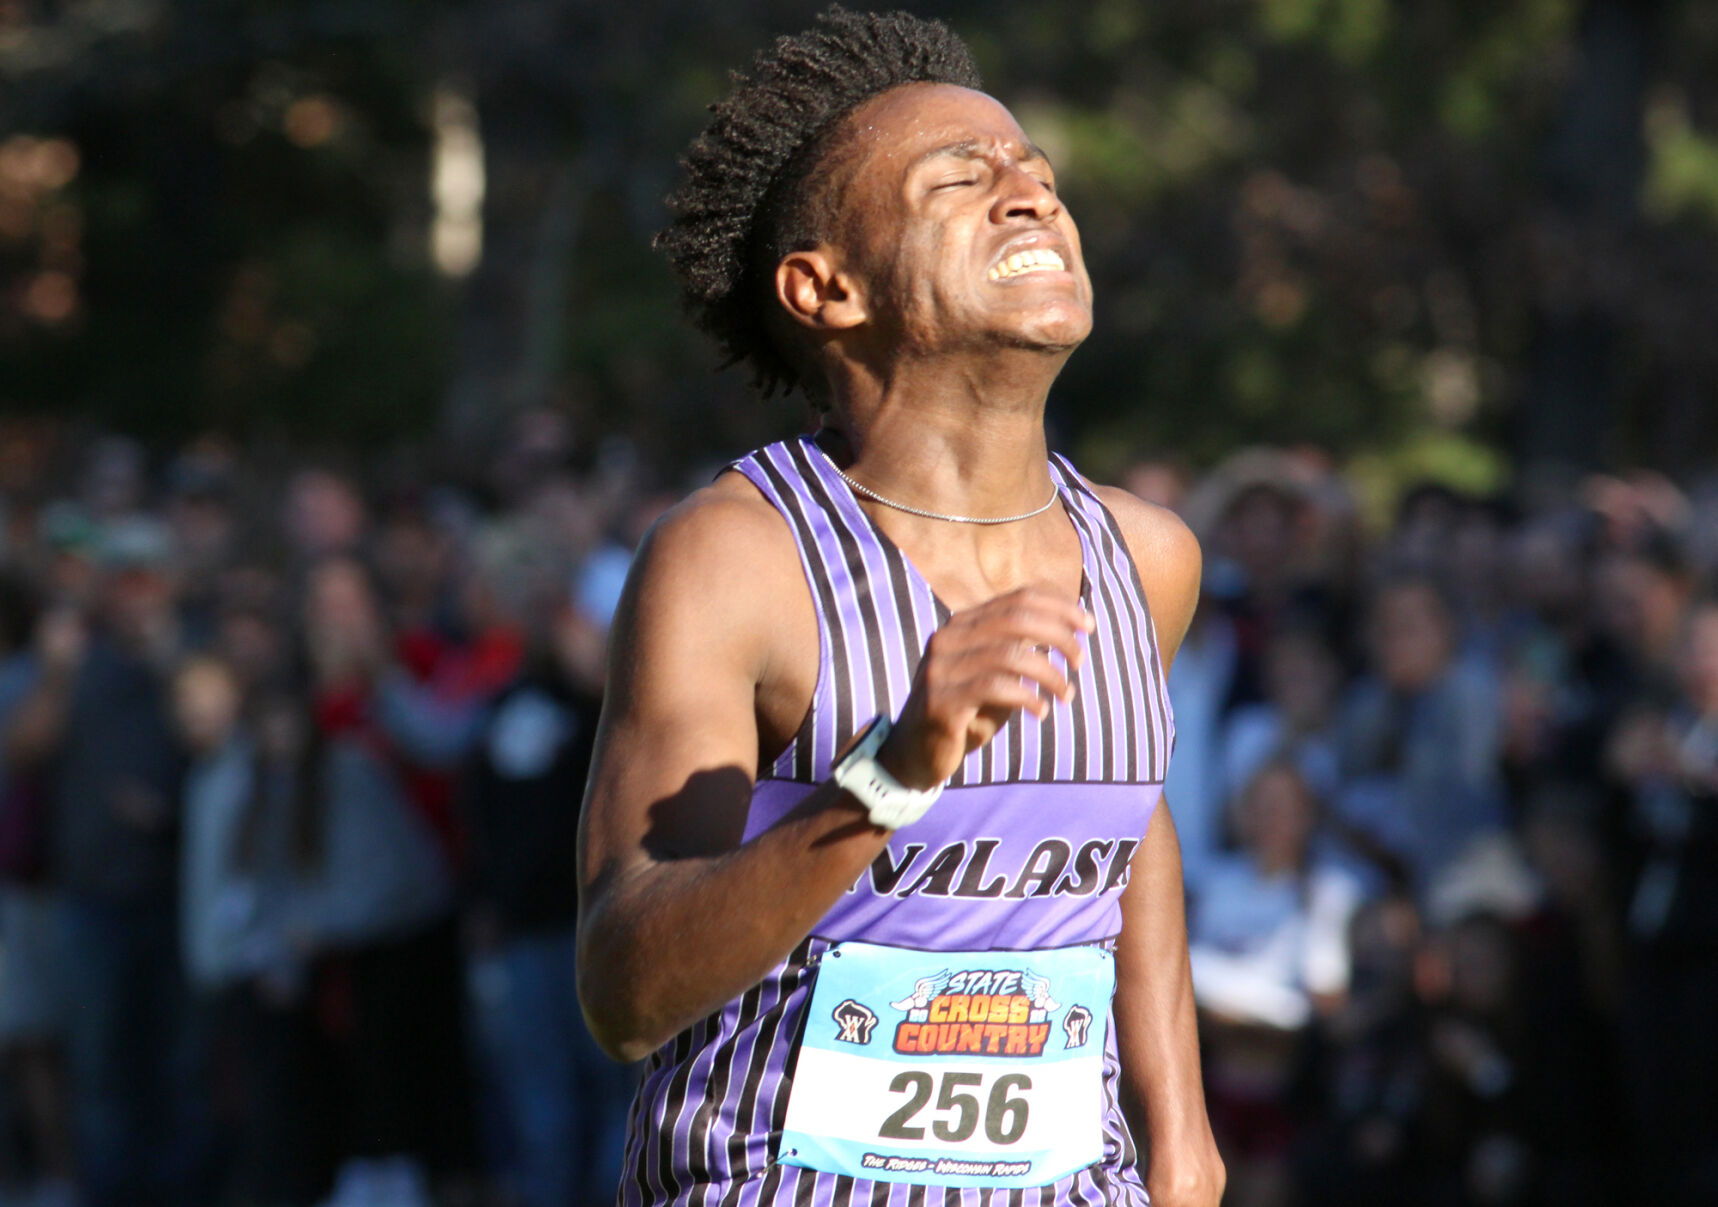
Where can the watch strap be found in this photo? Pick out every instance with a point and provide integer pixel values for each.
(888, 802)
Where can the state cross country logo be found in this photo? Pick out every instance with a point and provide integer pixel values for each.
(854, 1021)
(1077, 1025)
(976, 1012)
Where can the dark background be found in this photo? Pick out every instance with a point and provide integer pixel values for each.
(1476, 237)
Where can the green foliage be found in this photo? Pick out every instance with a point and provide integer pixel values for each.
(1380, 476)
(1327, 220)
(236, 228)
(1682, 176)
(319, 336)
(1350, 29)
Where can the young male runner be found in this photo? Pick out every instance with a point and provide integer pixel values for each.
(850, 990)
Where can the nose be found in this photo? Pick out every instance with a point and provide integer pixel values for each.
(1019, 194)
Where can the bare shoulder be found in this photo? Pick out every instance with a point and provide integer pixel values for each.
(1168, 557)
(1151, 530)
(723, 557)
(717, 607)
(724, 526)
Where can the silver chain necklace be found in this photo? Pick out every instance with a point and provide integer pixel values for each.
(859, 488)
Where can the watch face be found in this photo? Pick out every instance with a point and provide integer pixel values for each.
(887, 803)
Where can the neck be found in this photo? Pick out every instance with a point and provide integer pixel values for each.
(945, 438)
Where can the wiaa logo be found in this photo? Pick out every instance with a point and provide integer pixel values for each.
(854, 1022)
(1077, 1026)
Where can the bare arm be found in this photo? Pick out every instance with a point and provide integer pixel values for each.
(676, 916)
(1157, 1029)
(1156, 1023)
(715, 631)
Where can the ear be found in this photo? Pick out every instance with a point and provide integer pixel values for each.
(816, 293)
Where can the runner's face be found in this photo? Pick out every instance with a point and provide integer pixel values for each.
(950, 219)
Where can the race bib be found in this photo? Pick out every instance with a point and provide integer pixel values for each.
(970, 1068)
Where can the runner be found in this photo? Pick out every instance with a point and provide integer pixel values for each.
(873, 868)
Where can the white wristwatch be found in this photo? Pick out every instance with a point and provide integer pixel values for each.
(888, 803)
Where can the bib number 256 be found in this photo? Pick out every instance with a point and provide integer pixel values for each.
(1004, 1112)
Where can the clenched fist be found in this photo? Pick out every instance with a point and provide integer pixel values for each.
(977, 670)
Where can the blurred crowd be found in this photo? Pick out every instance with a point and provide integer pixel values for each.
(1447, 792)
(292, 760)
(291, 751)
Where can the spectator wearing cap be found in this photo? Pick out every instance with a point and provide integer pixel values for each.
(69, 549)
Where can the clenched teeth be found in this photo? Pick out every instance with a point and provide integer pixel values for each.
(1022, 262)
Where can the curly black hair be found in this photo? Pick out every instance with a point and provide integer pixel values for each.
(750, 192)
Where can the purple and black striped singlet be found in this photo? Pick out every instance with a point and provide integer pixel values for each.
(1027, 849)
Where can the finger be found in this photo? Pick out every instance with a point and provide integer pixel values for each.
(1026, 601)
(1005, 690)
(1053, 603)
(986, 723)
(1035, 666)
(1031, 629)
(1029, 662)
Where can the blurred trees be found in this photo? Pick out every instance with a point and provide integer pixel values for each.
(1383, 227)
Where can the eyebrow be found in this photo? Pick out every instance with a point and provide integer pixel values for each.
(973, 148)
